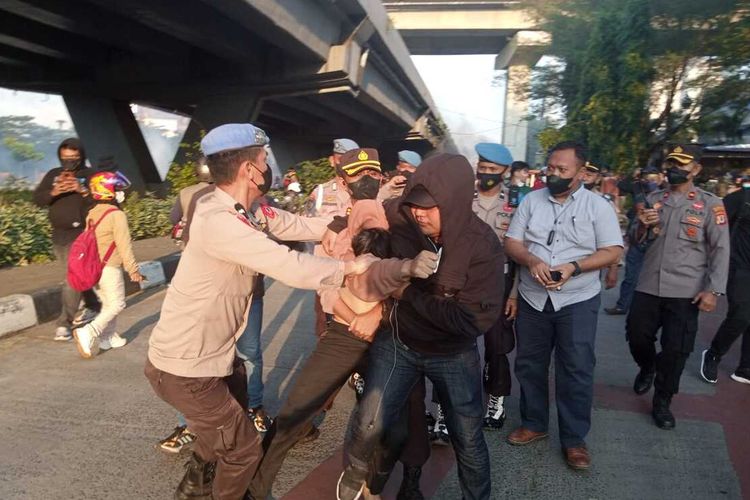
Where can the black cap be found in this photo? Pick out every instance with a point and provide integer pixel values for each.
(420, 197)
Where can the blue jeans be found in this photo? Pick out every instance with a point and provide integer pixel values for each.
(251, 352)
(392, 372)
(633, 264)
(571, 332)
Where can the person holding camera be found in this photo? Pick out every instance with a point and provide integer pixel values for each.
(561, 236)
(65, 192)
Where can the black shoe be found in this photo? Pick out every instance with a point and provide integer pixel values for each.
(643, 381)
(662, 415)
(430, 421)
(410, 484)
(197, 482)
(615, 311)
(710, 366)
(494, 417)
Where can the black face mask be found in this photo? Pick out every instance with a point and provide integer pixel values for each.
(267, 179)
(590, 185)
(70, 164)
(489, 181)
(405, 173)
(365, 188)
(558, 185)
(677, 176)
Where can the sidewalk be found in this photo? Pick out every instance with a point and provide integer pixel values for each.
(30, 295)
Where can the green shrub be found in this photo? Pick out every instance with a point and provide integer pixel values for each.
(148, 216)
(24, 234)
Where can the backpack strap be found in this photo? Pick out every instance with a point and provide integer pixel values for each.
(92, 225)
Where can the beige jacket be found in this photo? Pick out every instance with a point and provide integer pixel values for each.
(113, 228)
(206, 305)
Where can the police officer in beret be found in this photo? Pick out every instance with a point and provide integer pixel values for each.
(192, 362)
(408, 161)
(494, 206)
(684, 272)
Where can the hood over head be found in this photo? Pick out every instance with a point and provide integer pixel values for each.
(73, 143)
(449, 179)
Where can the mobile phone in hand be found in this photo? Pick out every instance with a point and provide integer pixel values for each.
(555, 275)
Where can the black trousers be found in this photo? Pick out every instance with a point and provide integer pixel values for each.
(498, 342)
(336, 356)
(737, 322)
(678, 320)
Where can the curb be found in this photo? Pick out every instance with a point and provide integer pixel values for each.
(21, 311)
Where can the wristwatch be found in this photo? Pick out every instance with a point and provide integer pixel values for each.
(717, 294)
(577, 268)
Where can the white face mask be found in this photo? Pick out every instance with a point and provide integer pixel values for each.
(119, 196)
(294, 186)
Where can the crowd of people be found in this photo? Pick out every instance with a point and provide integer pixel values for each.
(413, 268)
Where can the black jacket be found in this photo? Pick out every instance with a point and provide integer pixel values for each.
(67, 212)
(446, 312)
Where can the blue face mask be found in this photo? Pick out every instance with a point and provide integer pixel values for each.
(650, 186)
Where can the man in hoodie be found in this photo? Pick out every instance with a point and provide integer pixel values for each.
(434, 323)
(64, 191)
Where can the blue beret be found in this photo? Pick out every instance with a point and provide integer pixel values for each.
(410, 157)
(232, 136)
(494, 153)
(341, 146)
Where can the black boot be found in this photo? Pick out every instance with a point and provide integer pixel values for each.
(410, 484)
(662, 415)
(644, 380)
(197, 481)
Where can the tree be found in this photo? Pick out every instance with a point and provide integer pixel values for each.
(638, 74)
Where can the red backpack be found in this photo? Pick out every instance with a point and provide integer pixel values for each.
(84, 266)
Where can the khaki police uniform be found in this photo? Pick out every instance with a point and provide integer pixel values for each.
(687, 253)
(192, 363)
(499, 340)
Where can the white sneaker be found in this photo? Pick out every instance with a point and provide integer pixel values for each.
(63, 333)
(112, 342)
(87, 341)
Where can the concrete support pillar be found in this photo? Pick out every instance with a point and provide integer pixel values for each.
(214, 111)
(515, 125)
(108, 128)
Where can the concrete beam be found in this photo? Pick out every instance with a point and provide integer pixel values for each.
(524, 49)
(108, 128)
(463, 20)
(89, 21)
(305, 27)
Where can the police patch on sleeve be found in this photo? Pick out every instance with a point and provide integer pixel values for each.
(268, 211)
(720, 215)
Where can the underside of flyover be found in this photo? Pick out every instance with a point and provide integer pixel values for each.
(307, 71)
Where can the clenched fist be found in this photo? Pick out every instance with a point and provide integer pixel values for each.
(422, 266)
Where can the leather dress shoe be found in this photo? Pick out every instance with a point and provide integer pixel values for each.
(615, 311)
(523, 436)
(577, 458)
(644, 380)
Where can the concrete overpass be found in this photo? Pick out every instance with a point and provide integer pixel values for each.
(458, 27)
(305, 70)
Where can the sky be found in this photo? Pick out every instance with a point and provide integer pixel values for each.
(463, 91)
(461, 87)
